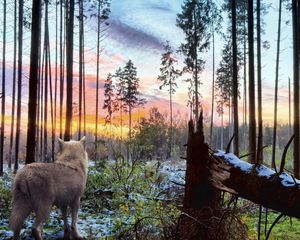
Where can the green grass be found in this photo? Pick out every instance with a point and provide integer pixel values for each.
(286, 228)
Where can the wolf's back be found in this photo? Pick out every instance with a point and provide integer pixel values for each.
(21, 202)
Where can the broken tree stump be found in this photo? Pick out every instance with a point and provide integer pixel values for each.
(201, 198)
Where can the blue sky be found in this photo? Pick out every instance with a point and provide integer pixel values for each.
(138, 30)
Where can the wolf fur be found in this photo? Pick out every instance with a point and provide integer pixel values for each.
(39, 186)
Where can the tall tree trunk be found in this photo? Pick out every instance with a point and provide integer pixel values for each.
(80, 64)
(19, 95)
(290, 112)
(235, 80)
(46, 76)
(83, 85)
(296, 52)
(245, 123)
(33, 82)
(3, 90)
(276, 88)
(56, 75)
(212, 91)
(97, 70)
(196, 71)
(171, 122)
(69, 53)
(259, 88)
(61, 71)
(252, 121)
(12, 124)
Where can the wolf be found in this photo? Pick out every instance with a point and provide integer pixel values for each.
(39, 186)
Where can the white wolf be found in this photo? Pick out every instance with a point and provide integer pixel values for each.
(39, 186)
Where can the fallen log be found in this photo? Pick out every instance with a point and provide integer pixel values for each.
(257, 183)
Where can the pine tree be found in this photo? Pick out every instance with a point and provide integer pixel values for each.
(168, 76)
(131, 93)
(103, 11)
(109, 99)
(195, 20)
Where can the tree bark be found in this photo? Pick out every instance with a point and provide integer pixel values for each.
(258, 184)
(3, 90)
(252, 119)
(200, 195)
(33, 82)
(235, 80)
(19, 87)
(259, 87)
(69, 53)
(276, 88)
(295, 13)
(12, 124)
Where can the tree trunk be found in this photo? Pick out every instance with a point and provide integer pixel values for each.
(212, 91)
(61, 71)
(69, 53)
(235, 80)
(196, 71)
(80, 64)
(296, 52)
(171, 121)
(258, 184)
(46, 76)
(19, 95)
(259, 88)
(276, 88)
(252, 121)
(33, 82)
(97, 72)
(12, 124)
(3, 90)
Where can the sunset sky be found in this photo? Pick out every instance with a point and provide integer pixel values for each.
(138, 29)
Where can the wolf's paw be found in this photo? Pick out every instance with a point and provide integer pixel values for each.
(67, 233)
(76, 235)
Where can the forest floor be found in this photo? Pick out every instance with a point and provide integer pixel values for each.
(136, 200)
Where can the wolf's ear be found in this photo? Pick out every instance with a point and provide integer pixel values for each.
(83, 141)
(60, 144)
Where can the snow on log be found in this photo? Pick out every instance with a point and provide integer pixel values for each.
(258, 184)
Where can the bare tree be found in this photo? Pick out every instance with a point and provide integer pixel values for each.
(69, 54)
(296, 53)
(235, 78)
(33, 82)
(3, 90)
(19, 87)
(251, 91)
(276, 87)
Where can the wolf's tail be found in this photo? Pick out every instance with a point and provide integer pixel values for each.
(21, 205)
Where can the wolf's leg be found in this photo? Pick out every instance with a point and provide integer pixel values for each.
(20, 211)
(74, 209)
(64, 217)
(42, 213)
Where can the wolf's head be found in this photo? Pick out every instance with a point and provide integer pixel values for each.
(73, 152)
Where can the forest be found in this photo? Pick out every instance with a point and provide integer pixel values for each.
(188, 112)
